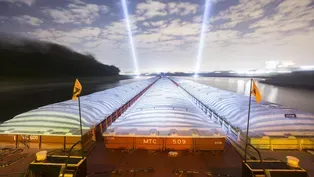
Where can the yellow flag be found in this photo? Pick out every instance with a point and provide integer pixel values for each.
(77, 89)
(256, 93)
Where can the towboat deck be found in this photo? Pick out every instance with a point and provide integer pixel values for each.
(108, 162)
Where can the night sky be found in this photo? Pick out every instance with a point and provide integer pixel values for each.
(241, 34)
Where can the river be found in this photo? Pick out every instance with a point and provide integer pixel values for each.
(16, 101)
(302, 99)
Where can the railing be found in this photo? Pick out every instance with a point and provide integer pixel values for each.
(238, 137)
(290, 142)
(69, 154)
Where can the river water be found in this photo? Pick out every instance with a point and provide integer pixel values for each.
(302, 99)
(16, 101)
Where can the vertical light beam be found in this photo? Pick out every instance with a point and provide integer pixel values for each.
(202, 36)
(126, 16)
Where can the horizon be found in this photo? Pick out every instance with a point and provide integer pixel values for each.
(239, 35)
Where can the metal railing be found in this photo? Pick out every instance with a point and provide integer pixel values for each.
(69, 154)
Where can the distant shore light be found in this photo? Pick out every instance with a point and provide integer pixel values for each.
(308, 67)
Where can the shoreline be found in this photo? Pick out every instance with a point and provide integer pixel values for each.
(24, 84)
(288, 85)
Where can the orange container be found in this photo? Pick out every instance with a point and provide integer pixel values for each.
(164, 143)
(51, 142)
(8, 140)
(112, 142)
(209, 143)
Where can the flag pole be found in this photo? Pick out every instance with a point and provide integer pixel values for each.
(248, 121)
(79, 104)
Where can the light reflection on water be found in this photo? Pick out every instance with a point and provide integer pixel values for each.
(119, 83)
(292, 97)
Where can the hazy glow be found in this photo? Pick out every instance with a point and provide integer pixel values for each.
(202, 36)
(240, 72)
(125, 11)
(285, 64)
(307, 67)
(271, 64)
(253, 72)
(284, 71)
(260, 72)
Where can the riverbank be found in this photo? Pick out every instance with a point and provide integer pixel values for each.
(297, 79)
(24, 84)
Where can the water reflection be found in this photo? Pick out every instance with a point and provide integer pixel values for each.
(118, 83)
(247, 87)
(295, 98)
(273, 94)
(240, 86)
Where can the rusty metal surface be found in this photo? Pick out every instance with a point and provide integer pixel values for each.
(19, 166)
(103, 161)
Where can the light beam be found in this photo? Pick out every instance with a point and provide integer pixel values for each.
(202, 36)
(127, 22)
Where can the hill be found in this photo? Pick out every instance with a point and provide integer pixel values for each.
(20, 57)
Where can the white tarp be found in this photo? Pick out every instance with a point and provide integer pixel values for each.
(164, 109)
(61, 118)
(266, 118)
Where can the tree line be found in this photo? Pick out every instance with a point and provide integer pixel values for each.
(20, 57)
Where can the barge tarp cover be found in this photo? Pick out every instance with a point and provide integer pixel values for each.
(267, 119)
(63, 118)
(164, 110)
